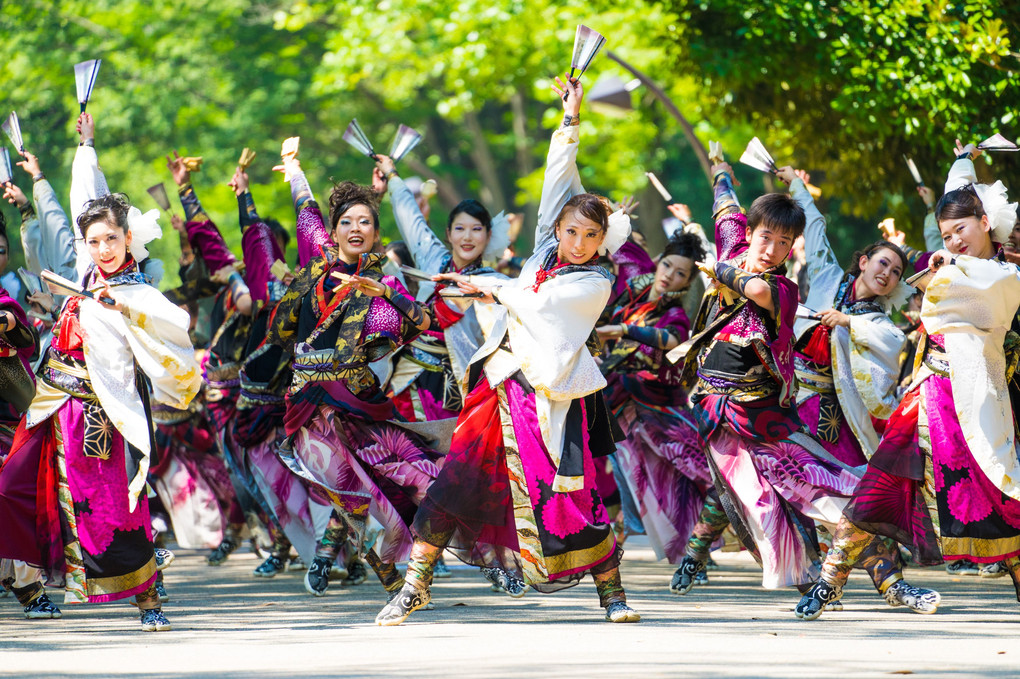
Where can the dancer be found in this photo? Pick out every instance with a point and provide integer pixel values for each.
(661, 460)
(944, 479)
(520, 475)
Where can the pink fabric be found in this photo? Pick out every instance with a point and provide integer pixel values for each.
(766, 481)
(846, 449)
(260, 251)
(312, 234)
(208, 242)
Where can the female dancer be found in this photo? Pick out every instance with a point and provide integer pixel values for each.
(944, 480)
(661, 459)
(72, 488)
(520, 475)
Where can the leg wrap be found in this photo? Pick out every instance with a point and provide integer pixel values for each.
(711, 524)
(848, 545)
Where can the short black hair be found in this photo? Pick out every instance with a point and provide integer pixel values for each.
(683, 244)
(777, 211)
(400, 249)
(472, 208)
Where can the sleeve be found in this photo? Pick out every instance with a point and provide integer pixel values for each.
(55, 233)
(247, 214)
(87, 180)
(876, 345)
(206, 240)
(312, 233)
(193, 211)
(961, 174)
(301, 192)
(426, 248)
(260, 251)
(932, 235)
(730, 220)
(31, 242)
(824, 271)
(562, 180)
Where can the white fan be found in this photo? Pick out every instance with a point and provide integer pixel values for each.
(757, 157)
(12, 128)
(406, 139)
(356, 137)
(85, 79)
(998, 143)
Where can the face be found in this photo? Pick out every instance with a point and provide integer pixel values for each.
(579, 238)
(768, 248)
(1014, 238)
(673, 274)
(468, 238)
(108, 245)
(967, 236)
(355, 233)
(5, 255)
(639, 238)
(881, 273)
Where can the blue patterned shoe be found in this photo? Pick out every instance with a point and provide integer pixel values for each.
(356, 572)
(42, 608)
(164, 557)
(619, 611)
(269, 568)
(154, 621)
(685, 576)
(917, 599)
(814, 602)
(161, 592)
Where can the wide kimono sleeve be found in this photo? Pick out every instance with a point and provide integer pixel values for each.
(312, 234)
(53, 242)
(561, 183)
(972, 304)
(260, 250)
(875, 347)
(204, 236)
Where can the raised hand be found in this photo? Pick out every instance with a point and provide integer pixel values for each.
(14, 195)
(681, 212)
(571, 92)
(239, 182)
(30, 164)
(86, 127)
(177, 169)
(927, 195)
(974, 151)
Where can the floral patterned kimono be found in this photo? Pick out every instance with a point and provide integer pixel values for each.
(342, 440)
(662, 458)
(72, 491)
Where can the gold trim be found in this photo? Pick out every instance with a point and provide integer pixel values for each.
(980, 548)
(532, 556)
(122, 583)
(567, 484)
(67, 369)
(559, 563)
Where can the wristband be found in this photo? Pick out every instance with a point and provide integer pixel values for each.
(732, 277)
(238, 288)
(88, 142)
(38, 177)
(391, 174)
(569, 120)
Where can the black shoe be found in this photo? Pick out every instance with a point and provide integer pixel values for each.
(222, 551)
(153, 620)
(356, 572)
(503, 581)
(685, 576)
(42, 608)
(269, 568)
(814, 602)
(317, 576)
(404, 603)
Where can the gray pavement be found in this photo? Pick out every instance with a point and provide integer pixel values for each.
(229, 624)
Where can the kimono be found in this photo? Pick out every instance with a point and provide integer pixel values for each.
(519, 480)
(429, 371)
(846, 376)
(661, 458)
(72, 490)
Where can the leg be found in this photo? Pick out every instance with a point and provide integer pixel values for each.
(31, 594)
(710, 527)
(1013, 564)
(151, 610)
(881, 559)
(276, 562)
(415, 592)
(848, 544)
(611, 594)
(231, 541)
(387, 573)
(317, 576)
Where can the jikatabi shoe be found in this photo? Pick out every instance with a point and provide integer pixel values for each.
(269, 568)
(701, 578)
(406, 601)
(356, 572)
(503, 581)
(619, 611)
(962, 567)
(161, 592)
(164, 557)
(317, 576)
(993, 570)
(685, 575)
(814, 602)
(917, 599)
(441, 570)
(42, 608)
(153, 620)
(222, 551)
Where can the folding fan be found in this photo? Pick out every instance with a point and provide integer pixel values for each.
(5, 167)
(998, 143)
(158, 193)
(59, 285)
(247, 158)
(354, 136)
(666, 196)
(405, 140)
(757, 157)
(715, 153)
(587, 44)
(913, 171)
(85, 79)
(12, 128)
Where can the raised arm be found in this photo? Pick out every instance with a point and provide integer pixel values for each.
(257, 243)
(312, 232)
(428, 251)
(87, 180)
(730, 220)
(205, 239)
(824, 271)
(562, 180)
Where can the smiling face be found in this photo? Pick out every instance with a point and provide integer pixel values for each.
(579, 238)
(5, 254)
(107, 245)
(468, 238)
(880, 274)
(673, 274)
(967, 236)
(768, 248)
(355, 233)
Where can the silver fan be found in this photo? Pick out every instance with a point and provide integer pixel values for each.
(158, 193)
(587, 44)
(12, 128)
(6, 175)
(757, 157)
(85, 79)
(354, 136)
(998, 143)
(406, 139)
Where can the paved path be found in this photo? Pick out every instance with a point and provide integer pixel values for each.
(228, 624)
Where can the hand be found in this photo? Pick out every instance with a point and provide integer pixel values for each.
(178, 170)
(30, 164)
(628, 205)
(451, 277)
(289, 167)
(680, 211)
(117, 305)
(609, 332)
(178, 223)
(897, 238)
(239, 182)
(42, 300)
(223, 274)
(927, 195)
(384, 164)
(725, 167)
(86, 127)
(831, 318)
(14, 195)
(803, 176)
(471, 289)
(787, 174)
(379, 182)
(574, 93)
(974, 151)
(940, 259)
(366, 286)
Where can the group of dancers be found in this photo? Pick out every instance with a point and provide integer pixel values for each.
(376, 406)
